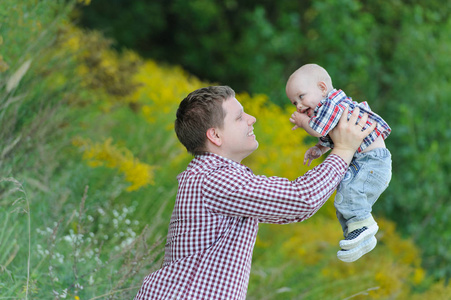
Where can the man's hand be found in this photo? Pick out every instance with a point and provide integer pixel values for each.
(348, 134)
(300, 120)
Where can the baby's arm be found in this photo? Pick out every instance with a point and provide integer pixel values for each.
(301, 120)
(314, 152)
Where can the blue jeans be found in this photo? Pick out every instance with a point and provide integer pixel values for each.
(367, 177)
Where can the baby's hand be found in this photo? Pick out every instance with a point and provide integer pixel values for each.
(298, 119)
(311, 154)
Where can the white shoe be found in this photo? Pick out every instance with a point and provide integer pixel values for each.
(357, 252)
(354, 238)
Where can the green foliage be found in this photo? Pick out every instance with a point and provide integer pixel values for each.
(66, 229)
(420, 193)
(255, 45)
(14, 233)
(27, 113)
(230, 35)
(303, 265)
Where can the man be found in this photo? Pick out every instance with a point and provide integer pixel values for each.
(220, 201)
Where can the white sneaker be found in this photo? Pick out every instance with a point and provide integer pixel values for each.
(357, 252)
(354, 238)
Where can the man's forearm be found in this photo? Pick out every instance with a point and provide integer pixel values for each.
(345, 154)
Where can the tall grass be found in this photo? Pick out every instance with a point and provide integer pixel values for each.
(64, 241)
(8, 244)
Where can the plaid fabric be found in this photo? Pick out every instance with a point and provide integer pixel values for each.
(328, 113)
(215, 222)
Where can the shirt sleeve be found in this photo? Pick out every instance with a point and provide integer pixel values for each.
(240, 193)
(326, 117)
(365, 105)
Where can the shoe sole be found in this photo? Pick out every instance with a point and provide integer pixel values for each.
(355, 253)
(350, 244)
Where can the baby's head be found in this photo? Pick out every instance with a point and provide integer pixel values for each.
(307, 86)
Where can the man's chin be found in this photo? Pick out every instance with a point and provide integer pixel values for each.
(255, 148)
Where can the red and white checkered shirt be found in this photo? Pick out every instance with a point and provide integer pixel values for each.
(215, 222)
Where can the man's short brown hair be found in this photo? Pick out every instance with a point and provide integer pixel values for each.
(198, 112)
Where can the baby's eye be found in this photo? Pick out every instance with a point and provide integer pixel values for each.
(301, 97)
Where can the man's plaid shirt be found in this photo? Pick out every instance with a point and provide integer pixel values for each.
(215, 221)
(328, 112)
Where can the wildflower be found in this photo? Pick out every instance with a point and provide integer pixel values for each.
(105, 154)
(64, 293)
(418, 275)
(84, 2)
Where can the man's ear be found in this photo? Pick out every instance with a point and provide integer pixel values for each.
(214, 137)
(323, 87)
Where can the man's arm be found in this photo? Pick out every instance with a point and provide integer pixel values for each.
(238, 192)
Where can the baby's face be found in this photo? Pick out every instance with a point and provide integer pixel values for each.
(304, 93)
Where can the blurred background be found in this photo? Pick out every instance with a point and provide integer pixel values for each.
(89, 159)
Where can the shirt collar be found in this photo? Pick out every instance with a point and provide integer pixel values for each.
(209, 159)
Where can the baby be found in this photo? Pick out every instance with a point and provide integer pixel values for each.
(318, 110)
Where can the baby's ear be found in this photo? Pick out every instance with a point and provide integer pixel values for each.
(323, 87)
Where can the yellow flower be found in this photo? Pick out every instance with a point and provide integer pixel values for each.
(161, 89)
(84, 2)
(418, 275)
(105, 154)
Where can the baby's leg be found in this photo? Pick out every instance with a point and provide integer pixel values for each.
(368, 176)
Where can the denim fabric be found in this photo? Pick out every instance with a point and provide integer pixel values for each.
(367, 177)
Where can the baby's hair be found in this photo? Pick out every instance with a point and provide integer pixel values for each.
(318, 73)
